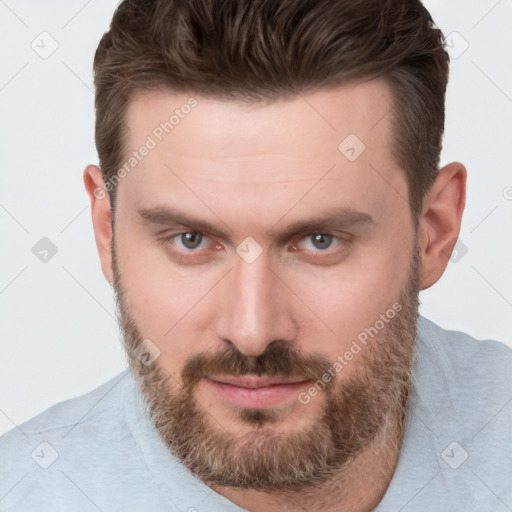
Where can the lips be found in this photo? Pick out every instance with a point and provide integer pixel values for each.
(252, 391)
(254, 381)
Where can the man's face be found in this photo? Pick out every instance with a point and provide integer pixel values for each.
(255, 252)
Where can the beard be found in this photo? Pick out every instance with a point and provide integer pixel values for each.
(356, 408)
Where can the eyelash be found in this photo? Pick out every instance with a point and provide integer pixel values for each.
(342, 242)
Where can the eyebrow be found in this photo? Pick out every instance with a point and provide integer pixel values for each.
(336, 218)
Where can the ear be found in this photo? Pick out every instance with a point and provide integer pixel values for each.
(101, 217)
(439, 222)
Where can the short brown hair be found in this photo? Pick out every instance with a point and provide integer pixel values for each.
(260, 50)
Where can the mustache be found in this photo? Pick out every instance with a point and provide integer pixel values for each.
(279, 359)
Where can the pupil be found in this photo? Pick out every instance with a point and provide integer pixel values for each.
(191, 240)
(322, 241)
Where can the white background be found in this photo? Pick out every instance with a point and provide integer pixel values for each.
(58, 331)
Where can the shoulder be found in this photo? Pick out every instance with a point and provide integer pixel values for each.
(463, 378)
(40, 451)
(55, 420)
(465, 359)
(466, 400)
(457, 449)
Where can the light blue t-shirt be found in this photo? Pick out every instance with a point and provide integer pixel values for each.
(101, 452)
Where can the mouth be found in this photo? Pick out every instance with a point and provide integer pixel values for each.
(256, 392)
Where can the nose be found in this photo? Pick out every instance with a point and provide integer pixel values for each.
(255, 308)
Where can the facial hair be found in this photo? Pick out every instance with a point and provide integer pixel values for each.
(355, 410)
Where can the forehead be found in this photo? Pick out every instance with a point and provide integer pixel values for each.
(301, 127)
(254, 152)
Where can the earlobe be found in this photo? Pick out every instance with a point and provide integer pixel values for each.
(101, 217)
(440, 220)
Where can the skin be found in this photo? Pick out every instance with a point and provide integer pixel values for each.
(254, 170)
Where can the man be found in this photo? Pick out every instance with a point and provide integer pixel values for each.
(268, 207)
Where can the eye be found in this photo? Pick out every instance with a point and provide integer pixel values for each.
(189, 241)
(318, 242)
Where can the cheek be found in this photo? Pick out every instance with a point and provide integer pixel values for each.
(169, 307)
(352, 297)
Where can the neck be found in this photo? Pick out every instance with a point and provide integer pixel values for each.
(358, 487)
